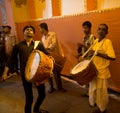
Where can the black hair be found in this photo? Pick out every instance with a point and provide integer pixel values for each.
(9, 27)
(29, 26)
(44, 26)
(105, 26)
(87, 23)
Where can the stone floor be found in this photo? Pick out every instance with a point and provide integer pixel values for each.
(12, 98)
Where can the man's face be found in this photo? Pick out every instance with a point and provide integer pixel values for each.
(41, 30)
(102, 31)
(86, 29)
(7, 30)
(29, 32)
(1, 29)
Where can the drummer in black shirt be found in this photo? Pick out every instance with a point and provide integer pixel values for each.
(23, 50)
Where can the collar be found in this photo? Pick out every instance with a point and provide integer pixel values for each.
(32, 42)
(45, 36)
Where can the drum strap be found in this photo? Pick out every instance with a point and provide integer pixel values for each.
(36, 44)
(95, 50)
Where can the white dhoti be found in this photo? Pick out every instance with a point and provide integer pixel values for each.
(98, 93)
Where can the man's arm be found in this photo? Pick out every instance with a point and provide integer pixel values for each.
(42, 48)
(11, 61)
(109, 51)
(105, 56)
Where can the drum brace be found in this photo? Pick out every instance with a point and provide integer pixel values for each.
(36, 44)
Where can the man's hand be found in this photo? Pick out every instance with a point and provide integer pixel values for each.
(4, 75)
(80, 59)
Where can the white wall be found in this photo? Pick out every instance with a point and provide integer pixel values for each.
(69, 7)
(47, 12)
(104, 4)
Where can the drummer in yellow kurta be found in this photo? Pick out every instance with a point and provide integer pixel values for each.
(98, 94)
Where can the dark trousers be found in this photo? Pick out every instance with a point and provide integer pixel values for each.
(29, 96)
(58, 80)
(2, 59)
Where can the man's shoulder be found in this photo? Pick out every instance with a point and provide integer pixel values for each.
(21, 43)
(52, 33)
(107, 40)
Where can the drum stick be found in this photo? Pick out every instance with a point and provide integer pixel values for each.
(86, 51)
(95, 53)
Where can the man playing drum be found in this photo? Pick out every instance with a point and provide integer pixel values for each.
(98, 94)
(23, 49)
(88, 40)
(51, 43)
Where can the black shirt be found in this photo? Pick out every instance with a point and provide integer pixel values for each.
(22, 51)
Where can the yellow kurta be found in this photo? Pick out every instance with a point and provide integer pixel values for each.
(98, 86)
(105, 47)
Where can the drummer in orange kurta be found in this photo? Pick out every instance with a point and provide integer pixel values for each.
(98, 94)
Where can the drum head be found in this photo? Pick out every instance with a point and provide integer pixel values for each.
(80, 66)
(35, 63)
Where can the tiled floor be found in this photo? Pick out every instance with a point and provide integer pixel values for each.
(12, 98)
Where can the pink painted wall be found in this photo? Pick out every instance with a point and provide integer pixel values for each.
(9, 15)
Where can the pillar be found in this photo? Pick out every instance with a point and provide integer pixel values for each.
(56, 7)
(91, 5)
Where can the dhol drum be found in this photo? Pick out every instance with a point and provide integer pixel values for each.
(39, 67)
(59, 61)
(84, 72)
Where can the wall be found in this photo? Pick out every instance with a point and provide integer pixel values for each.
(26, 10)
(72, 7)
(20, 12)
(2, 13)
(104, 4)
(6, 15)
(39, 8)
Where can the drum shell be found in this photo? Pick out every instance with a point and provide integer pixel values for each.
(40, 76)
(44, 69)
(59, 61)
(86, 75)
